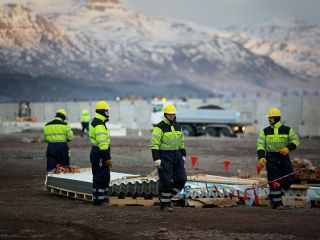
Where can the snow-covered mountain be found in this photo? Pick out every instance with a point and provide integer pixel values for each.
(48, 8)
(102, 43)
(291, 43)
(31, 44)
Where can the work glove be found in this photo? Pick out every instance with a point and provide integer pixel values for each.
(262, 162)
(109, 163)
(284, 151)
(184, 159)
(157, 163)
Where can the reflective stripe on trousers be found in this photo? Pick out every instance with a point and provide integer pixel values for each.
(172, 176)
(99, 195)
(278, 166)
(101, 176)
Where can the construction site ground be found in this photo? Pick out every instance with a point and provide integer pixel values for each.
(28, 212)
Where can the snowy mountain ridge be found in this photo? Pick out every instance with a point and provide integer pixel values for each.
(291, 43)
(103, 41)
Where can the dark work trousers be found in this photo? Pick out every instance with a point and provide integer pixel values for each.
(101, 177)
(57, 153)
(278, 166)
(85, 127)
(172, 176)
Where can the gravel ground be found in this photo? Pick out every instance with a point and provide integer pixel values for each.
(27, 212)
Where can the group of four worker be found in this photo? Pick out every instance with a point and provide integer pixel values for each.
(169, 154)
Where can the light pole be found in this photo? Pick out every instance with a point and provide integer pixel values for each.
(118, 107)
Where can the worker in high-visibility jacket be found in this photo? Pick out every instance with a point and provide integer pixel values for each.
(85, 120)
(100, 154)
(273, 145)
(57, 133)
(169, 155)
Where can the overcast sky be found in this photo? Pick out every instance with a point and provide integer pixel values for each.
(222, 13)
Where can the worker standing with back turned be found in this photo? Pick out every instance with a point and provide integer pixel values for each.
(273, 146)
(85, 121)
(57, 133)
(100, 154)
(169, 155)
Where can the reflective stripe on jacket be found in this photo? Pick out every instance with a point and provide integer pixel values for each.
(99, 134)
(166, 136)
(85, 117)
(57, 131)
(275, 137)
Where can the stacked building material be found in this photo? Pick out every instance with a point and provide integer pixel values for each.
(198, 187)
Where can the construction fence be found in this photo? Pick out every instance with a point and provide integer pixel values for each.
(302, 113)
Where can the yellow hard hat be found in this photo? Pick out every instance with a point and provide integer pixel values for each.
(170, 109)
(63, 112)
(102, 105)
(274, 112)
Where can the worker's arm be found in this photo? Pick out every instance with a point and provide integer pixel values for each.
(261, 145)
(103, 141)
(69, 132)
(181, 144)
(44, 135)
(155, 143)
(294, 141)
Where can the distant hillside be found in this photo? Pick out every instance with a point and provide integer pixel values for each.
(21, 87)
(100, 46)
(291, 43)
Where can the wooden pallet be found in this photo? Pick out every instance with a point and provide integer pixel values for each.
(315, 203)
(68, 193)
(127, 201)
(211, 202)
(295, 202)
(288, 201)
(139, 201)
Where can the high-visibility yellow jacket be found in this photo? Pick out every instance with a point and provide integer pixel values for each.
(85, 117)
(275, 137)
(167, 137)
(100, 135)
(57, 131)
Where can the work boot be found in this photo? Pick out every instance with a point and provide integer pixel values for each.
(98, 203)
(280, 207)
(271, 203)
(170, 207)
(101, 202)
(166, 208)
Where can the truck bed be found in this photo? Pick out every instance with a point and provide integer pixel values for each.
(209, 116)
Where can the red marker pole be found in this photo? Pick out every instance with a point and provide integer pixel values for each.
(226, 164)
(194, 160)
(258, 168)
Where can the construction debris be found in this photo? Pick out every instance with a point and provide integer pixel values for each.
(199, 191)
(308, 174)
(64, 169)
(212, 202)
